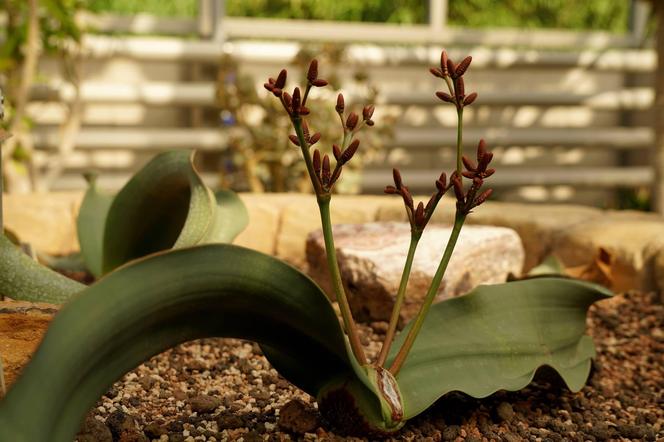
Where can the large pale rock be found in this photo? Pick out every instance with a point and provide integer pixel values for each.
(633, 239)
(538, 225)
(371, 258)
(46, 221)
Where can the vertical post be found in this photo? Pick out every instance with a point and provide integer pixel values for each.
(639, 10)
(210, 19)
(437, 15)
(658, 110)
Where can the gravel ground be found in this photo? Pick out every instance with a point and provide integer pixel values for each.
(223, 389)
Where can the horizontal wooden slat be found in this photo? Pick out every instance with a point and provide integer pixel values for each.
(348, 32)
(140, 139)
(152, 93)
(423, 179)
(604, 137)
(203, 94)
(113, 180)
(172, 49)
(625, 99)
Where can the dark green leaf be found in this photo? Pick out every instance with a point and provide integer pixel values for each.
(496, 337)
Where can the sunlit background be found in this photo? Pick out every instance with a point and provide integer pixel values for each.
(565, 91)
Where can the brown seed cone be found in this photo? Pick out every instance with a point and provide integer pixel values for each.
(397, 178)
(436, 72)
(468, 163)
(294, 140)
(351, 121)
(459, 88)
(470, 99)
(325, 170)
(419, 214)
(463, 66)
(407, 197)
(319, 82)
(483, 197)
(314, 138)
(390, 190)
(350, 151)
(444, 63)
(340, 104)
(367, 111)
(336, 151)
(316, 162)
(280, 82)
(312, 73)
(445, 97)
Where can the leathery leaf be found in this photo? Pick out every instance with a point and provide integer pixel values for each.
(165, 205)
(155, 303)
(496, 337)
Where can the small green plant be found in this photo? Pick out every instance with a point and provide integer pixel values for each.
(494, 338)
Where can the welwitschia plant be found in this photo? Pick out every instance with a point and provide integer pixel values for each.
(494, 338)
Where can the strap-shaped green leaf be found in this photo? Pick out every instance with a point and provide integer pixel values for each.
(157, 302)
(165, 205)
(22, 278)
(496, 337)
(90, 225)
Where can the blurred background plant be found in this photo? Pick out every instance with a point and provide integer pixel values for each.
(609, 15)
(33, 28)
(260, 157)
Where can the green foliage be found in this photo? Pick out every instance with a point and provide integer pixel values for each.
(608, 15)
(165, 205)
(493, 338)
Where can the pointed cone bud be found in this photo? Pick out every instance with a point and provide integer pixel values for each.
(351, 121)
(336, 151)
(288, 100)
(281, 79)
(335, 175)
(443, 63)
(325, 170)
(314, 138)
(436, 72)
(316, 162)
(489, 172)
(390, 190)
(463, 66)
(350, 151)
(451, 67)
(294, 140)
(312, 73)
(407, 197)
(459, 88)
(304, 110)
(340, 104)
(419, 214)
(268, 86)
(481, 150)
(277, 92)
(445, 97)
(483, 197)
(469, 175)
(296, 99)
(468, 163)
(319, 82)
(305, 129)
(470, 99)
(458, 188)
(443, 179)
(397, 178)
(367, 112)
(440, 185)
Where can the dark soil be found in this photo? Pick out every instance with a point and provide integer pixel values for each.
(223, 389)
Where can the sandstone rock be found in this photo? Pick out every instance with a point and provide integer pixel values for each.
(47, 221)
(22, 326)
(371, 258)
(634, 240)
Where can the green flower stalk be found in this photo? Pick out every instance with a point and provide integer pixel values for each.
(323, 178)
